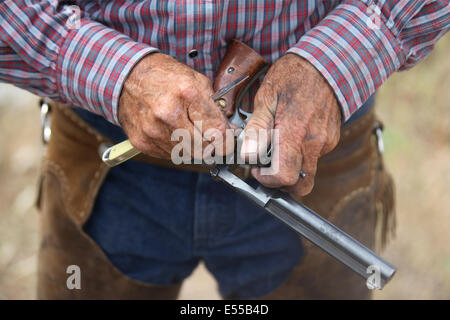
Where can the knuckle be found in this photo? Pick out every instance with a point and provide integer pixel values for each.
(322, 139)
(150, 131)
(138, 143)
(221, 128)
(259, 97)
(186, 90)
(214, 121)
(302, 189)
(264, 98)
(287, 179)
(307, 188)
(335, 138)
(160, 112)
(301, 132)
(260, 121)
(204, 81)
(147, 130)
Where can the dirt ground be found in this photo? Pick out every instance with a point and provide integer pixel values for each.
(415, 107)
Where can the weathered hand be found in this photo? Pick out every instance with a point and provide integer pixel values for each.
(295, 99)
(161, 95)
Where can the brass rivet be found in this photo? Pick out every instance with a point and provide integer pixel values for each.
(221, 103)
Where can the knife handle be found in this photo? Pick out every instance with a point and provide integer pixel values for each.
(119, 153)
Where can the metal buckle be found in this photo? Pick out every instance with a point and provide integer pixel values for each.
(46, 130)
(378, 130)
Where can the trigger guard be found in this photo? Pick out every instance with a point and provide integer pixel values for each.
(236, 118)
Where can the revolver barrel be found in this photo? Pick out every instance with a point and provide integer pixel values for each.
(313, 227)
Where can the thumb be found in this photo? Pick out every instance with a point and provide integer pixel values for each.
(257, 133)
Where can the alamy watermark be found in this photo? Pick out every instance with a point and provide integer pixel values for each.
(262, 147)
(74, 280)
(373, 282)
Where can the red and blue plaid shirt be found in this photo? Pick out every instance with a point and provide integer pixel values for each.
(81, 55)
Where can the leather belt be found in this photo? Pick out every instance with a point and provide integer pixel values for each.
(349, 133)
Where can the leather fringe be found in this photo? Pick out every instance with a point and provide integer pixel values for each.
(386, 215)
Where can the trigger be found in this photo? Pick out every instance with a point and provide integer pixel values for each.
(246, 114)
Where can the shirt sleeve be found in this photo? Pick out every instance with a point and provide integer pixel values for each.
(359, 44)
(56, 51)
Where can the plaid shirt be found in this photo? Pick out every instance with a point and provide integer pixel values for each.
(82, 54)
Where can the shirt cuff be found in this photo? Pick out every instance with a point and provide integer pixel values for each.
(354, 50)
(92, 66)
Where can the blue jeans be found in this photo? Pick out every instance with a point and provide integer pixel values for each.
(157, 224)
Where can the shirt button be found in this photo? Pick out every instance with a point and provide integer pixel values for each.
(193, 53)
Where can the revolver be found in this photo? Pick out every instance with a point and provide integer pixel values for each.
(239, 69)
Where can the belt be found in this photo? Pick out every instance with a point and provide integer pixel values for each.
(356, 131)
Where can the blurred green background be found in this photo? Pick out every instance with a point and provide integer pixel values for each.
(415, 107)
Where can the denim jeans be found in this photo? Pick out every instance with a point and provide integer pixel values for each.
(156, 224)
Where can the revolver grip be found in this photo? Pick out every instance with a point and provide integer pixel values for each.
(240, 60)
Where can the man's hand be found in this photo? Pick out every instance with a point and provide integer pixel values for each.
(295, 99)
(161, 95)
